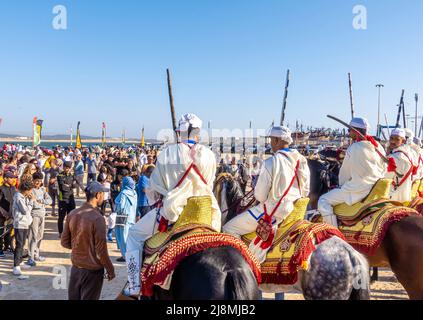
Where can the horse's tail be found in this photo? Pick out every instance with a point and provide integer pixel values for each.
(237, 283)
(361, 286)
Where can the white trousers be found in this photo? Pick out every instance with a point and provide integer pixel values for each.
(327, 202)
(246, 223)
(138, 234)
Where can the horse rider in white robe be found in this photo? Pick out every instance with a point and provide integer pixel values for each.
(283, 178)
(416, 152)
(404, 169)
(361, 169)
(183, 170)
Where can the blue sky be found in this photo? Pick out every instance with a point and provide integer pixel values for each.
(228, 59)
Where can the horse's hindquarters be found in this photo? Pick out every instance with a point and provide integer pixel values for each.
(219, 273)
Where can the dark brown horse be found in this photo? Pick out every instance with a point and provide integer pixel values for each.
(402, 251)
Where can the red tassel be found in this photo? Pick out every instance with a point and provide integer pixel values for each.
(163, 225)
(392, 167)
(268, 243)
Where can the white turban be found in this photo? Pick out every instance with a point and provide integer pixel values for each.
(409, 133)
(360, 123)
(398, 132)
(281, 132)
(187, 120)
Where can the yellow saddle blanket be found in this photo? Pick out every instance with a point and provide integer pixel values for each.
(380, 191)
(192, 233)
(294, 243)
(416, 196)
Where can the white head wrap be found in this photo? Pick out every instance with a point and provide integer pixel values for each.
(187, 120)
(398, 132)
(360, 123)
(281, 132)
(409, 133)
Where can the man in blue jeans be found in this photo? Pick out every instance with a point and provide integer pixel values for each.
(143, 206)
(91, 168)
(79, 173)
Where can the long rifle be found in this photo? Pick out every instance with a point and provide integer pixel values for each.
(400, 106)
(384, 158)
(285, 97)
(351, 95)
(172, 107)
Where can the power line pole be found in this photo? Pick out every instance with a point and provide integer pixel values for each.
(379, 86)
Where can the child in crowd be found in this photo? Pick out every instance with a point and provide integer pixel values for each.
(36, 230)
(23, 202)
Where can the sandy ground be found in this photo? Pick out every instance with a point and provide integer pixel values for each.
(47, 281)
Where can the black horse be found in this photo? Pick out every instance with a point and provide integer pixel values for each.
(215, 274)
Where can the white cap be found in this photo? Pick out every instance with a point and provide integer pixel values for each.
(398, 132)
(187, 120)
(409, 133)
(417, 141)
(281, 132)
(360, 123)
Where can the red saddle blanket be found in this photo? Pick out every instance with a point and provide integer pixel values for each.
(293, 245)
(164, 256)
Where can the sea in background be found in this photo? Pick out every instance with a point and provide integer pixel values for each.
(52, 144)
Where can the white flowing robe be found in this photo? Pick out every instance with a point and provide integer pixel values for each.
(417, 160)
(361, 169)
(403, 192)
(171, 165)
(275, 177)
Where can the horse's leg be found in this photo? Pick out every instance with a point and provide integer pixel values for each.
(337, 272)
(404, 247)
(375, 275)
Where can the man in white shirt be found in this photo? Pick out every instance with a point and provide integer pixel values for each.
(283, 179)
(403, 170)
(183, 170)
(361, 169)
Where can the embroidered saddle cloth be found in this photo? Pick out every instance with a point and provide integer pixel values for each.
(192, 233)
(416, 196)
(365, 223)
(366, 231)
(293, 245)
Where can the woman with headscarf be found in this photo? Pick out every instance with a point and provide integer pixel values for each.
(126, 210)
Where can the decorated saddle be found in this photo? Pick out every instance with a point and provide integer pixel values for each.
(293, 245)
(192, 233)
(365, 223)
(416, 196)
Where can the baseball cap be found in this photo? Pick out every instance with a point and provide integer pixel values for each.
(96, 187)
